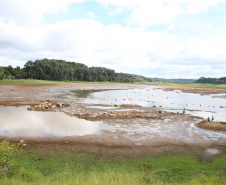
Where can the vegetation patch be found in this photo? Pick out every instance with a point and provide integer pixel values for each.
(74, 168)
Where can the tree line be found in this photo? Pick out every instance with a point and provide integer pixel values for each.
(61, 70)
(211, 80)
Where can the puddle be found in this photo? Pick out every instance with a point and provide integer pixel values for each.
(85, 93)
(211, 151)
(100, 107)
(20, 122)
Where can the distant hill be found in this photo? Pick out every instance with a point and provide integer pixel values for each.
(204, 80)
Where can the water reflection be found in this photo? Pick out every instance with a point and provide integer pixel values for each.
(20, 122)
(86, 93)
(149, 96)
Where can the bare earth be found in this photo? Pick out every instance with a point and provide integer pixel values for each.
(128, 133)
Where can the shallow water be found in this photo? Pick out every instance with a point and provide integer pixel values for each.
(20, 122)
(195, 104)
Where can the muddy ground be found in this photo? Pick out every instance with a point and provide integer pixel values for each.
(120, 139)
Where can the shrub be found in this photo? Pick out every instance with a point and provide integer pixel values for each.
(8, 152)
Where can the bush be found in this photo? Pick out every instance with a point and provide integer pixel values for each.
(8, 152)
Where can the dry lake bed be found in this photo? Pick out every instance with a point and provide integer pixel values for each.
(119, 119)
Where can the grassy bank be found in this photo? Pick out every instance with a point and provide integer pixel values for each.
(45, 81)
(89, 168)
(189, 84)
(147, 83)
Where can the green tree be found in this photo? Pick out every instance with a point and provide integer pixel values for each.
(1, 73)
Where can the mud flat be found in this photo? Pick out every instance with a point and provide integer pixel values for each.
(138, 119)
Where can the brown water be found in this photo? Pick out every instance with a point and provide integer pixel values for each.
(20, 122)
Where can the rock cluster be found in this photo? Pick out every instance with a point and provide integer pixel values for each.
(48, 106)
(116, 114)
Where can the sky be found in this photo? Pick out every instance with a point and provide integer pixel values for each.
(153, 38)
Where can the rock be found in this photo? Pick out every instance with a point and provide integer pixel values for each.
(59, 105)
(93, 116)
(67, 104)
(22, 141)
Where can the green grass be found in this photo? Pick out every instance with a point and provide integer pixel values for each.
(74, 169)
(188, 84)
(150, 83)
(45, 81)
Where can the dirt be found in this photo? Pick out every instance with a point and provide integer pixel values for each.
(213, 125)
(115, 142)
(197, 90)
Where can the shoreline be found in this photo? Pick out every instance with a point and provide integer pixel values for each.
(33, 94)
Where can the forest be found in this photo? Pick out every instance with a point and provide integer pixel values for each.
(204, 80)
(61, 70)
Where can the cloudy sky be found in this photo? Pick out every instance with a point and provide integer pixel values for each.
(154, 38)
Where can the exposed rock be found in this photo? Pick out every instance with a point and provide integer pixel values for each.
(22, 141)
(59, 105)
(47, 106)
(117, 114)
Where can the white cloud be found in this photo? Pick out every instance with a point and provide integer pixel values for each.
(92, 15)
(150, 12)
(30, 12)
(212, 48)
(26, 36)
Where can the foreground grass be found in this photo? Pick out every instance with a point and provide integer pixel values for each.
(49, 168)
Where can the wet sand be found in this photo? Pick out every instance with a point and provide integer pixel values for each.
(147, 130)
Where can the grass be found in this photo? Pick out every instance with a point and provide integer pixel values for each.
(151, 83)
(46, 81)
(50, 168)
(188, 84)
